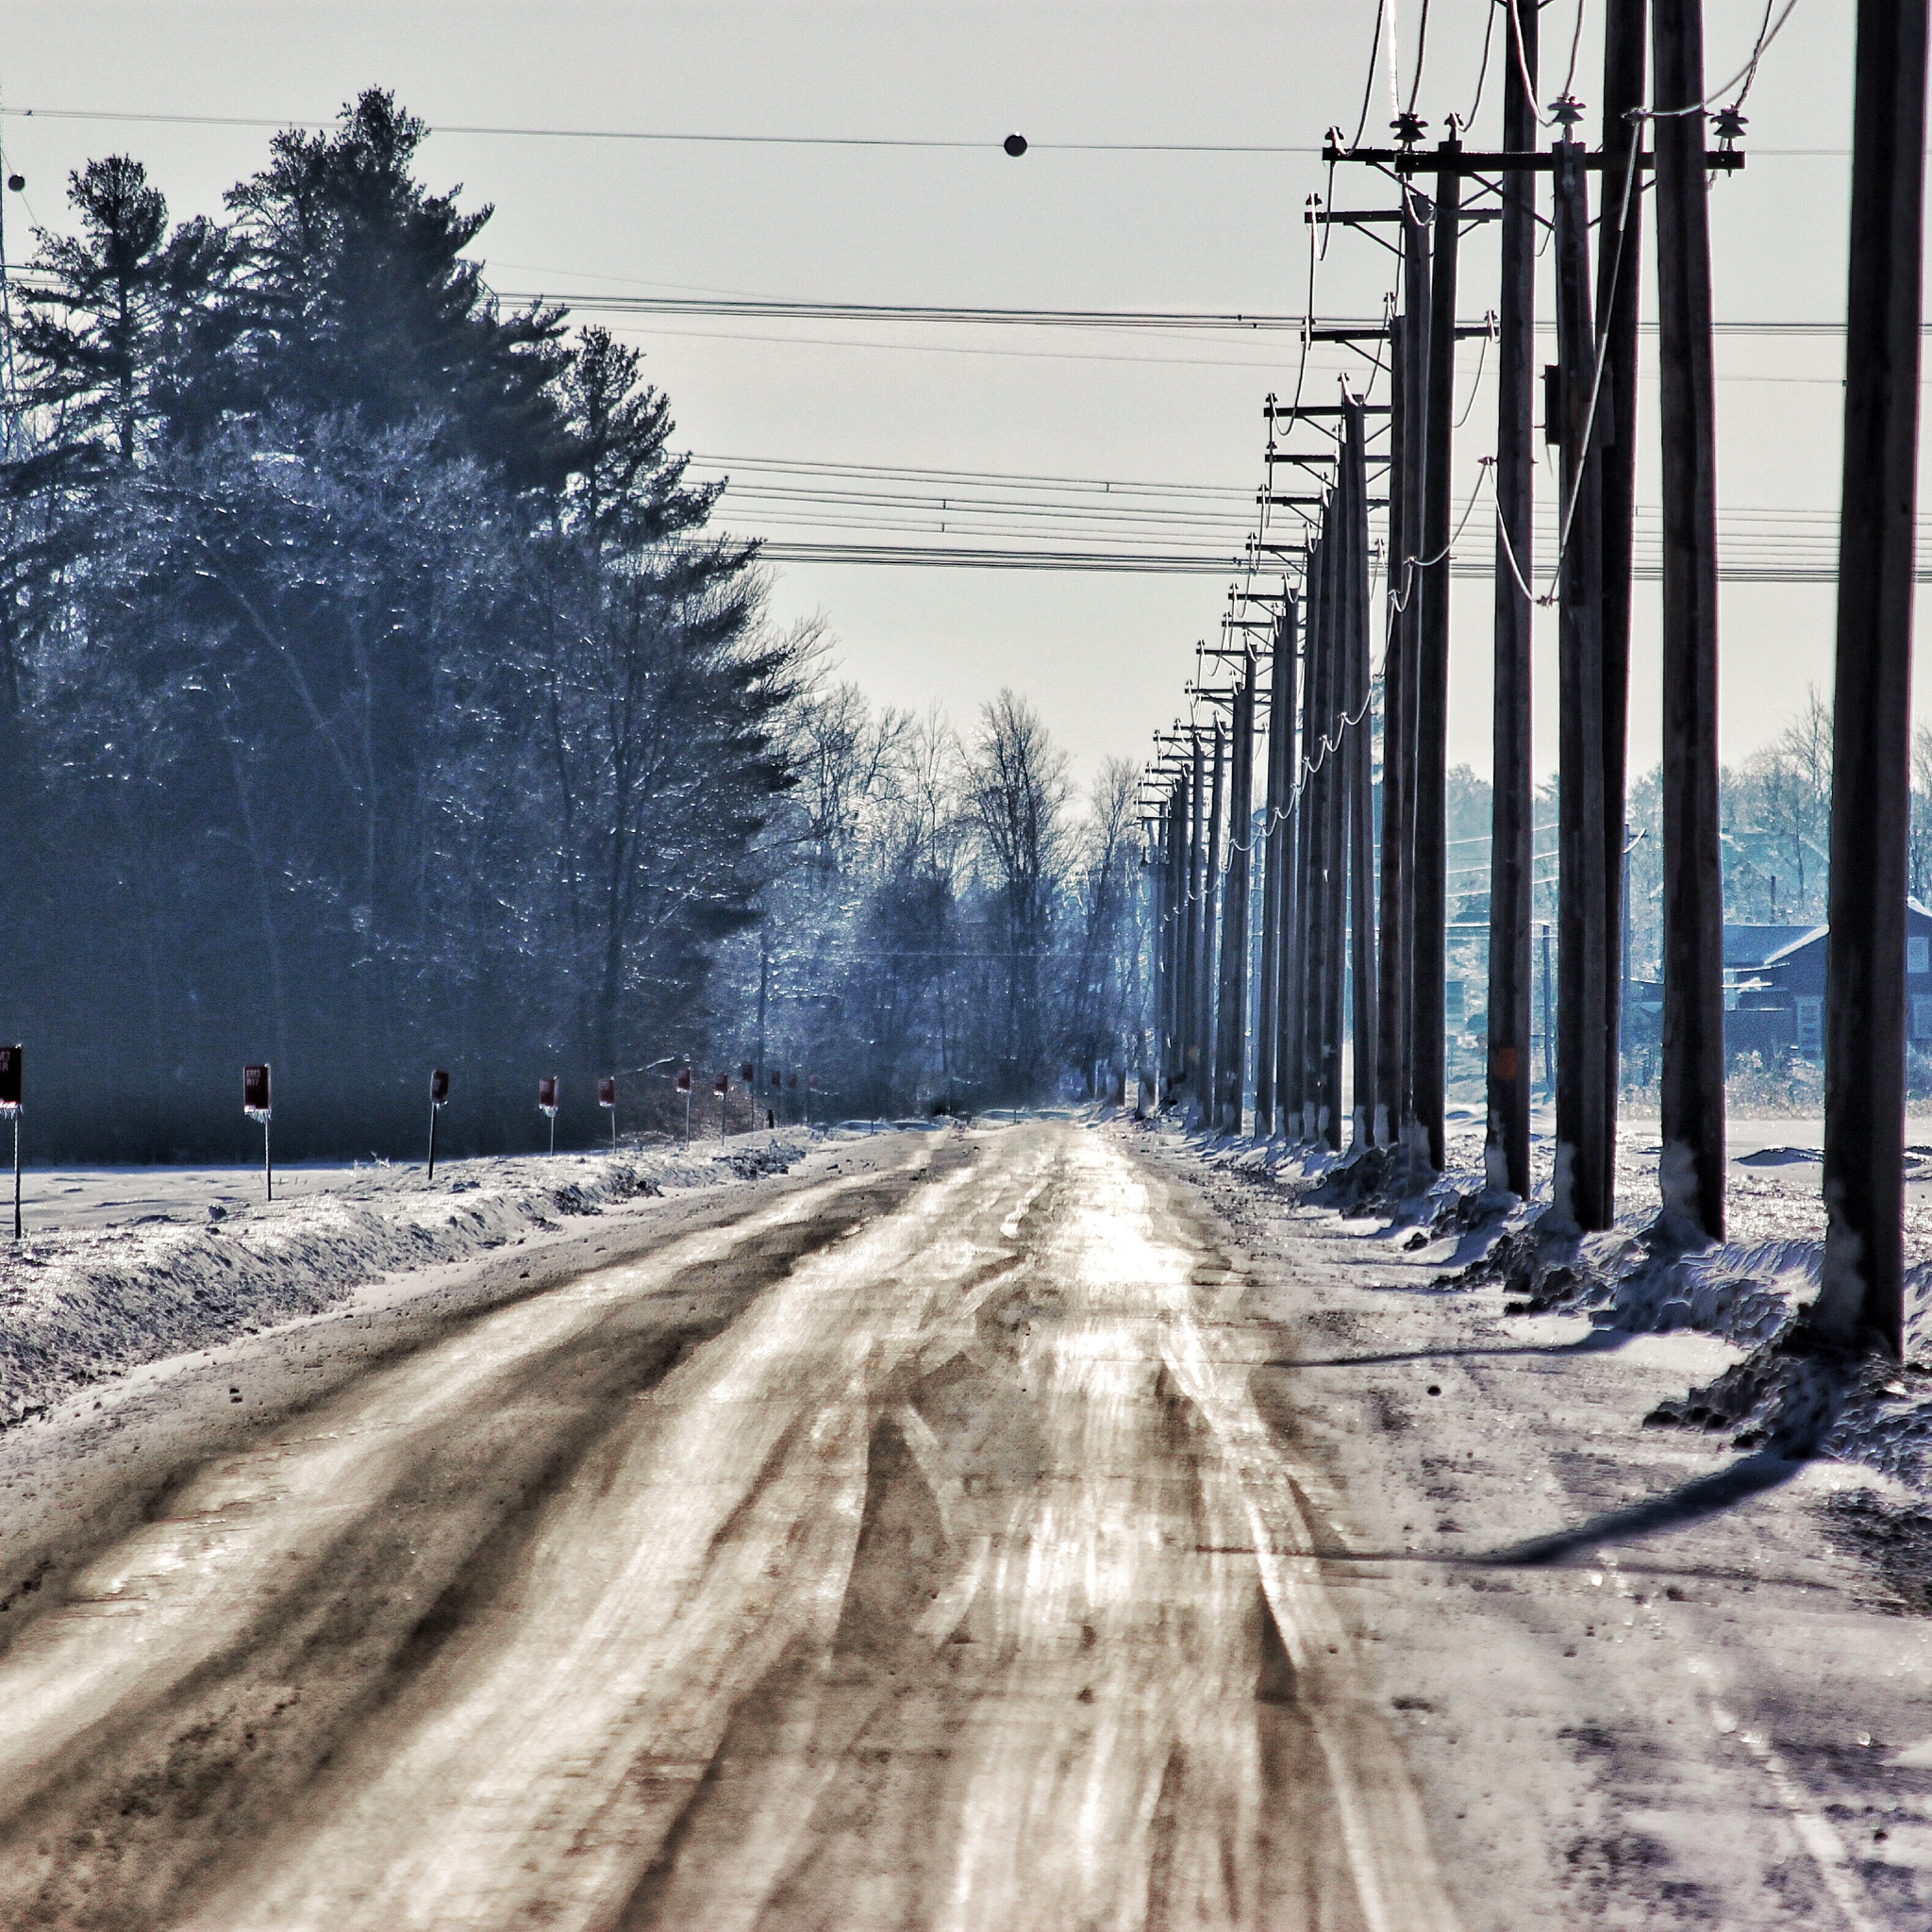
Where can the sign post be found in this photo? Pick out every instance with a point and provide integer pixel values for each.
(10, 1091)
(606, 1097)
(547, 1104)
(722, 1085)
(684, 1088)
(259, 1104)
(439, 1095)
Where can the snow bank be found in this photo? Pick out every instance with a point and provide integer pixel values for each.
(78, 1308)
(1751, 1290)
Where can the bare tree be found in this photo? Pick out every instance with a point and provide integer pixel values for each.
(1920, 847)
(1103, 983)
(1016, 785)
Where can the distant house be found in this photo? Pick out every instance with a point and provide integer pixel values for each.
(1777, 1001)
(1747, 947)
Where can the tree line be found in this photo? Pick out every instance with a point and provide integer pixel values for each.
(376, 692)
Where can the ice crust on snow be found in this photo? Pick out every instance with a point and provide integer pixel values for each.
(78, 1307)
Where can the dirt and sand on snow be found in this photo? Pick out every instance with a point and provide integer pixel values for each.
(1035, 1526)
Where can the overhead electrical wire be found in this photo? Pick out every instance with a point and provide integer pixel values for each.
(1482, 72)
(1369, 87)
(989, 145)
(1121, 320)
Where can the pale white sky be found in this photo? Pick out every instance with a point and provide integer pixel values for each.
(1104, 656)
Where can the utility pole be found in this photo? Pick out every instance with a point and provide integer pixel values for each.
(1210, 906)
(1431, 685)
(1161, 865)
(1580, 1190)
(1624, 949)
(1549, 1023)
(1175, 1064)
(1620, 236)
(1314, 845)
(1290, 1086)
(1512, 820)
(1693, 1170)
(1334, 859)
(1190, 980)
(1586, 1103)
(758, 1082)
(1357, 765)
(1281, 683)
(1862, 1295)
(1398, 752)
(1231, 1044)
(1418, 347)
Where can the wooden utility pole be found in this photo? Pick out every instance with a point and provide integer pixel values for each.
(1167, 952)
(1620, 237)
(1231, 1042)
(1863, 1296)
(1431, 685)
(1512, 821)
(1407, 487)
(1180, 812)
(1579, 1194)
(1160, 859)
(1287, 1025)
(1358, 767)
(1190, 976)
(1210, 922)
(1398, 742)
(1692, 1168)
(1334, 822)
(1281, 682)
(1314, 842)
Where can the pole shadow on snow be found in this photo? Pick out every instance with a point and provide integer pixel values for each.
(1706, 1495)
(1595, 1342)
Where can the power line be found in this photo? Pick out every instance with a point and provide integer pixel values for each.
(1009, 477)
(991, 145)
(1163, 320)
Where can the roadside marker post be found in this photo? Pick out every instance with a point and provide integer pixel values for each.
(438, 1096)
(684, 1088)
(10, 1091)
(546, 1104)
(721, 1086)
(606, 1097)
(259, 1104)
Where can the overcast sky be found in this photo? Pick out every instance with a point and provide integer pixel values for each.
(1104, 656)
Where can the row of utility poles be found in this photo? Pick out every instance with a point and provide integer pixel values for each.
(1349, 958)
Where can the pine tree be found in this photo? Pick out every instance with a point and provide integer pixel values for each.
(359, 296)
(117, 321)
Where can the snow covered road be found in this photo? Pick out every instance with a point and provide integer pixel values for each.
(988, 1532)
(955, 1580)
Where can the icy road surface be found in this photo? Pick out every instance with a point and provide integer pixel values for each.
(955, 1581)
(937, 1542)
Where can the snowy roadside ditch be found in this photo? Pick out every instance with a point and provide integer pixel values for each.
(1751, 1290)
(78, 1307)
